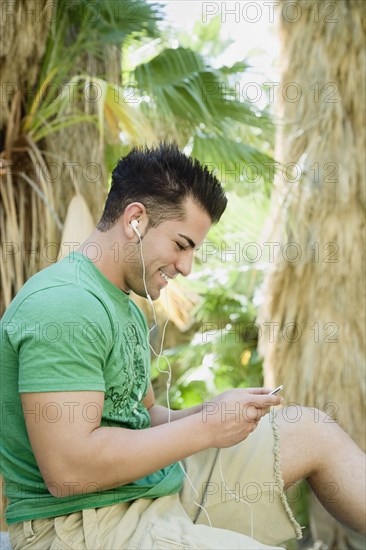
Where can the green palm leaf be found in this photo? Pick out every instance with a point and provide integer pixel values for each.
(185, 87)
(237, 164)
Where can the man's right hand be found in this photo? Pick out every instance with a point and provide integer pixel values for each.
(233, 415)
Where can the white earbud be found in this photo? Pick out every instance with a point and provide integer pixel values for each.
(134, 225)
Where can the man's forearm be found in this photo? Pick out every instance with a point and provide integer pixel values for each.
(160, 415)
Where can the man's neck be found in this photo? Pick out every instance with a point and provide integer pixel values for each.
(103, 250)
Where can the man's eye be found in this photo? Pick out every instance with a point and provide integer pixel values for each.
(180, 246)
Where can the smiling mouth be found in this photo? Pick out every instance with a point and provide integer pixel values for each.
(164, 276)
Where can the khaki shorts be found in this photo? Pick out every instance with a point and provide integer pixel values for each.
(239, 491)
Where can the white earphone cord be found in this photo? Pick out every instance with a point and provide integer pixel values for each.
(169, 373)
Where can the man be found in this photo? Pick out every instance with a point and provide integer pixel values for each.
(89, 460)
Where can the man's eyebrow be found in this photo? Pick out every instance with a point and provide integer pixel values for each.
(191, 243)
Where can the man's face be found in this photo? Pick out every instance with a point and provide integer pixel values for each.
(168, 251)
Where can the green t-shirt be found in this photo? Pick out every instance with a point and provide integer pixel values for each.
(71, 329)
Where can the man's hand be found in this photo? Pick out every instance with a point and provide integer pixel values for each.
(234, 414)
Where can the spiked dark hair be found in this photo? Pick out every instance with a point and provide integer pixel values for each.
(161, 178)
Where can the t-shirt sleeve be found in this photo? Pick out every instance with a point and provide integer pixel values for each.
(63, 338)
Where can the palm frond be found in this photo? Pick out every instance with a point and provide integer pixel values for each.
(194, 99)
(112, 21)
(235, 163)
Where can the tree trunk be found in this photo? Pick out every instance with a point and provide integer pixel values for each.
(77, 151)
(24, 27)
(313, 317)
(315, 292)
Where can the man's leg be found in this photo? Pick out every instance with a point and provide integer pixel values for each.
(241, 489)
(316, 448)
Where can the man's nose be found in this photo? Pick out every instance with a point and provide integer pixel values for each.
(184, 264)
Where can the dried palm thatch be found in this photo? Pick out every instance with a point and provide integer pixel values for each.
(28, 220)
(320, 284)
(24, 28)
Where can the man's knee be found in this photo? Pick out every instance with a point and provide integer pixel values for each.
(297, 415)
(303, 426)
(300, 439)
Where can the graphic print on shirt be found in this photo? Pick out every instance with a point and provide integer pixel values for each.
(129, 380)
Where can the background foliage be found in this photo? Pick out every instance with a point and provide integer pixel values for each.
(110, 79)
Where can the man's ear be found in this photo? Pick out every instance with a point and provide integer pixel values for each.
(135, 220)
